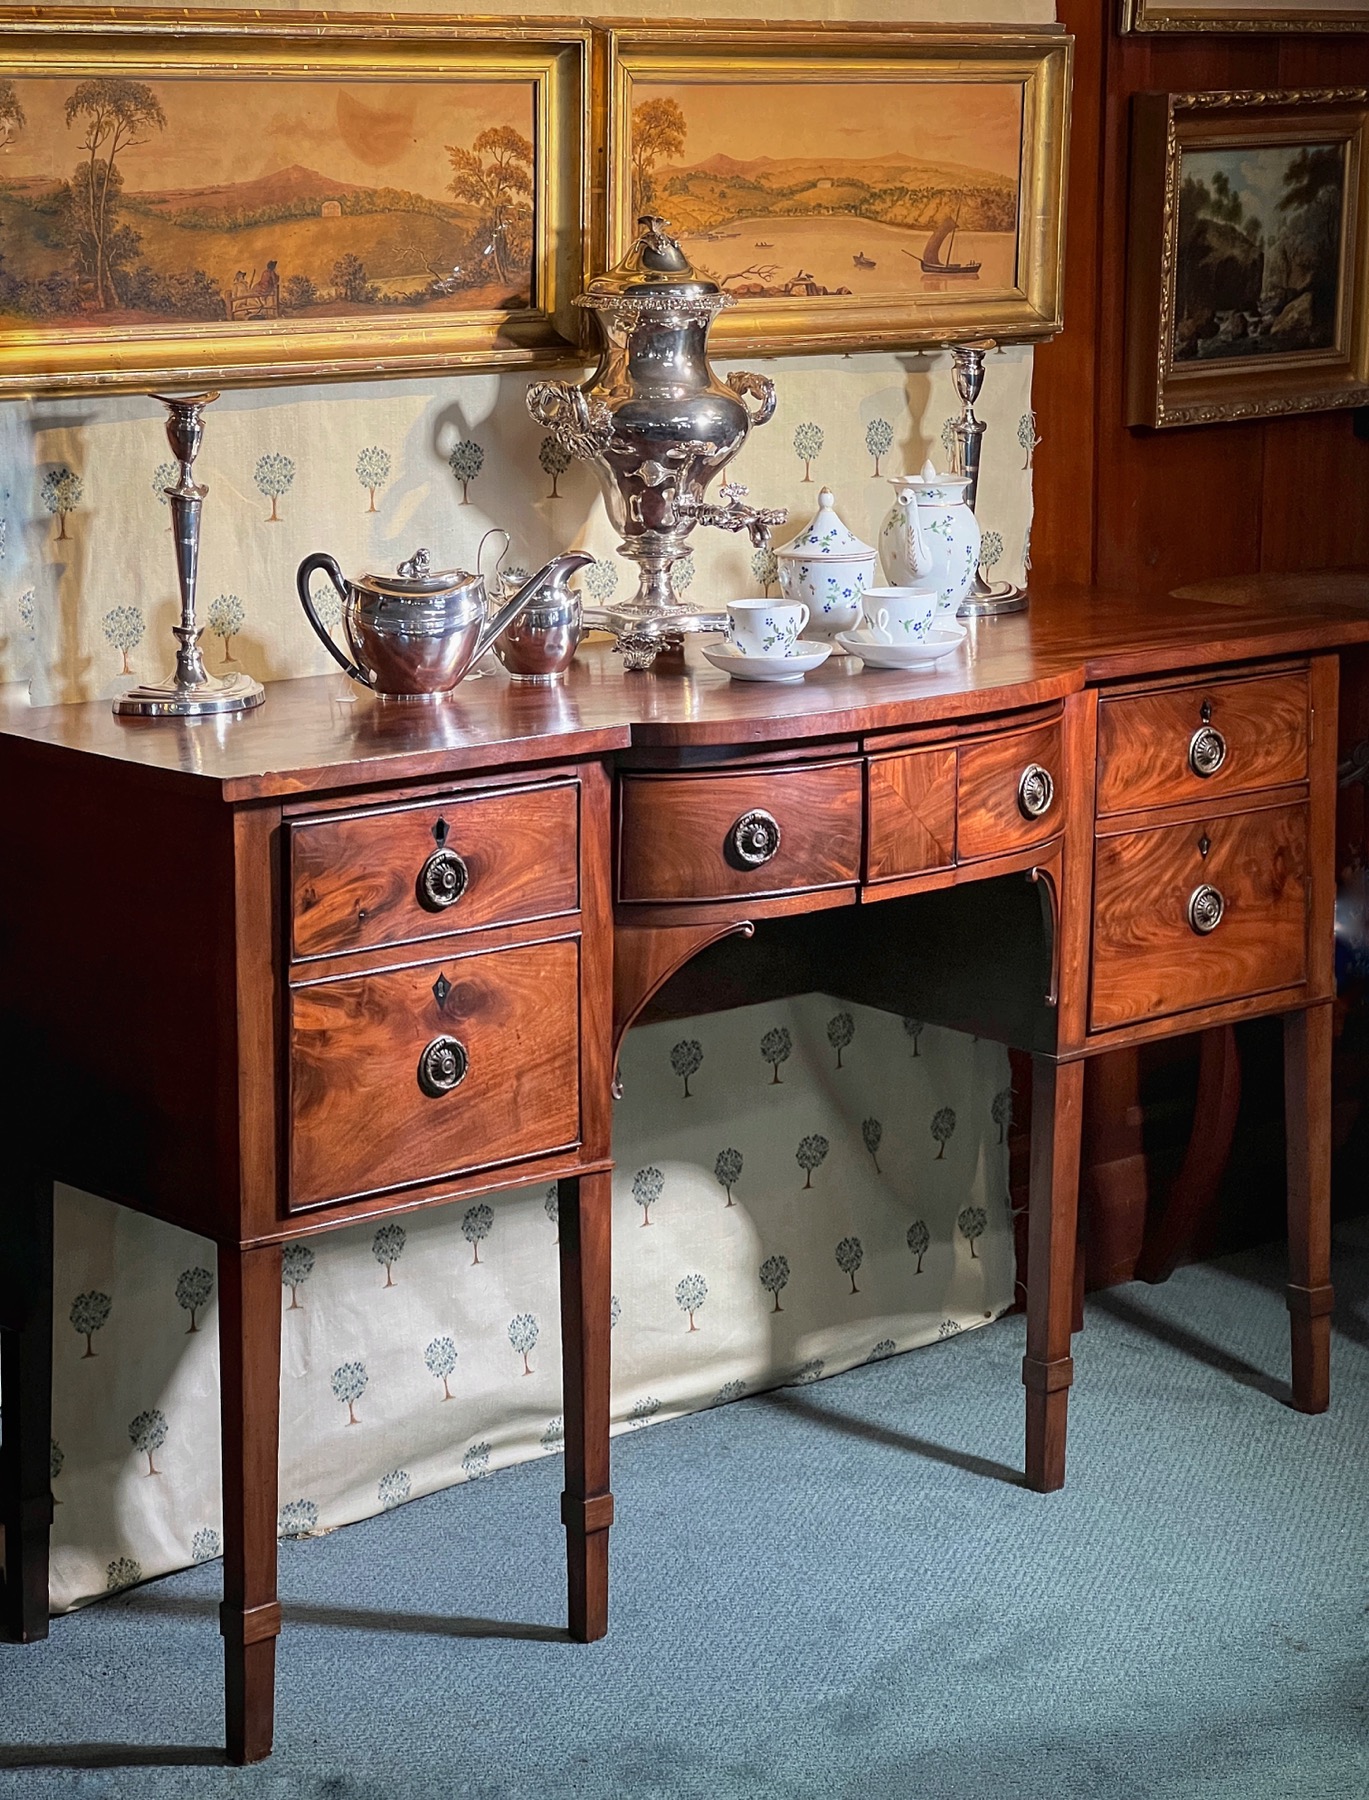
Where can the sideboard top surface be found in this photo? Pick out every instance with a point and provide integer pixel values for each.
(322, 733)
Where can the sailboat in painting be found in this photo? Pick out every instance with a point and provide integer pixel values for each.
(936, 254)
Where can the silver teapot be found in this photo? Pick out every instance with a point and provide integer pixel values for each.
(416, 633)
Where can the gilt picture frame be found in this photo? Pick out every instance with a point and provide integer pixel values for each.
(1284, 16)
(851, 186)
(1248, 255)
(224, 198)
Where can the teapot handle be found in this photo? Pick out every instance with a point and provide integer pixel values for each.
(760, 387)
(307, 569)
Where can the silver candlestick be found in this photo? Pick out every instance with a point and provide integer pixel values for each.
(985, 598)
(190, 692)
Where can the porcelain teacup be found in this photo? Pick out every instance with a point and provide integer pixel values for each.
(765, 627)
(899, 615)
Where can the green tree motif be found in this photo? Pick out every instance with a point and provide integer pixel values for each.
(766, 569)
(373, 471)
(774, 1277)
(116, 115)
(551, 1206)
(690, 1293)
(914, 1029)
(1001, 1111)
(350, 1382)
(476, 1462)
(296, 1266)
(123, 628)
(555, 460)
(124, 1571)
(394, 1488)
(147, 1434)
(727, 1171)
(943, 1125)
(163, 477)
(919, 1241)
(878, 1352)
(27, 602)
(601, 581)
(1026, 436)
(475, 1227)
(89, 1311)
(647, 1186)
(949, 1328)
(206, 1544)
(553, 1439)
(948, 439)
(192, 1293)
(808, 1372)
(873, 1133)
(776, 1047)
(682, 573)
(440, 1357)
(274, 476)
(850, 1255)
(730, 1390)
(387, 1246)
(643, 1411)
(523, 1335)
(811, 1153)
(227, 616)
(841, 1028)
(56, 1457)
(615, 1310)
(879, 438)
(685, 1060)
(971, 1221)
(808, 442)
(296, 1519)
(991, 550)
(465, 462)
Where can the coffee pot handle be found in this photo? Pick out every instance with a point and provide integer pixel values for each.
(305, 573)
(760, 387)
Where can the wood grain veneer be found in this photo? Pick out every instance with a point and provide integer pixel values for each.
(989, 819)
(910, 800)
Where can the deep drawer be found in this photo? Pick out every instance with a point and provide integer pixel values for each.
(1008, 792)
(379, 1100)
(1153, 896)
(396, 875)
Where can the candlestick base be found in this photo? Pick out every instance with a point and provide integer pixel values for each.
(989, 600)
(215, 695)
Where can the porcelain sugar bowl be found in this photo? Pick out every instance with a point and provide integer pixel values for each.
(827, 568)
(930, 535)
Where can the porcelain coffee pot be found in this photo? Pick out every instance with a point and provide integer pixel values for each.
(416, 633)
(930, 535)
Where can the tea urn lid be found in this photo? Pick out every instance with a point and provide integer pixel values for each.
(827, 538)
(416, 579)
(654, 277)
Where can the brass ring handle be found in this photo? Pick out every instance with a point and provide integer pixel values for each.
(1205, 909)
(442, 1066)
(755, 838)
(442, 880)
(1035, 791)
(1206, 751)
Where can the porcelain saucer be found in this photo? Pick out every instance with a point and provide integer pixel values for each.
(939, 643)
(808, 655)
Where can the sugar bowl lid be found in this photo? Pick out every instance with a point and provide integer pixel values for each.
(827, 537)
(655, 275)
(416, 579)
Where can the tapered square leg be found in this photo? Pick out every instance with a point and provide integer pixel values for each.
(1047, 1368)
(1307, 1109)
(249, 1351)
(586, 1207)
(26, 1391)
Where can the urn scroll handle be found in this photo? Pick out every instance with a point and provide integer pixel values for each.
(579, 425)
(760, 387)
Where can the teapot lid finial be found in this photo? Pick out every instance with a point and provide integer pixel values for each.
(416, 567)
(929, 472)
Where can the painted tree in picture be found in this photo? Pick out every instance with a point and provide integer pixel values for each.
(659, 130)
(808, 442)
(227, 616)
(440, 1357)
(841, 1028)
(553, 1439)
(971, 1222)
(206, 1544)
(647, 1187)
(914, 1029)
(476, 1462)
(850, 1255)
(465, 462)
(774, 1277)
(387, 1246)
(296, 1266)
(147, 1434)
(12, 117)
(1027, 438)
(776, 1047)
(297, 1518)
(113, 115)
(685, 1060)
(523, 1335)
(89, 1312)
(690, 1293)
(495, 176)
(475, 1227)
(192, 1293)
(766, 569)
(727, 1172)
(872, 1133)
(350, 1382)
(123, 628)
(555, 459)
(373, 471)
(810, 1155)
(124, 1571)
(551, 1206)
(879, 440)
(943, 1125)
(919, 1242)
(274, 476)
(1001, 1111)
(394, 1488)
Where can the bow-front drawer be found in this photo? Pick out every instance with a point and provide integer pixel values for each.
(1191, 743)
(411, 1075)
(717, 836)
(1192, 915)
(1008, 792)
(399, 874)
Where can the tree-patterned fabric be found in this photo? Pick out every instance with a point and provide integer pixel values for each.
(801, 1186)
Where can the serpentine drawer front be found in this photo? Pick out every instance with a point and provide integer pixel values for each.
(399, 874)
(714, 836)
(1190, 915)
(1007, 792)
(1195, 742)
(414, 1074)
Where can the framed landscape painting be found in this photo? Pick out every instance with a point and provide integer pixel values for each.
(1245, 15)
(849, 186)
(216, 198)
(1247, 289)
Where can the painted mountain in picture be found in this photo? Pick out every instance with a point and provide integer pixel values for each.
(127, 202)
(789, 190)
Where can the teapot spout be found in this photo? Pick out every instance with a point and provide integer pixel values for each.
(559, 569)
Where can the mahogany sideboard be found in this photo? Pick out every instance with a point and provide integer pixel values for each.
(336, 960)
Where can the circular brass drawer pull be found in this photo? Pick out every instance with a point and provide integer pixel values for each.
(1205, 909)
(1035, 791)
(442, 880)
(755, 838)
(442, 1066)
(1206, 751)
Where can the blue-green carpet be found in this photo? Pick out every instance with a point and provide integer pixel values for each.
(835, 1590)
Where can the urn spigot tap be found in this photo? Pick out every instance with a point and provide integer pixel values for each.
(734, 514)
